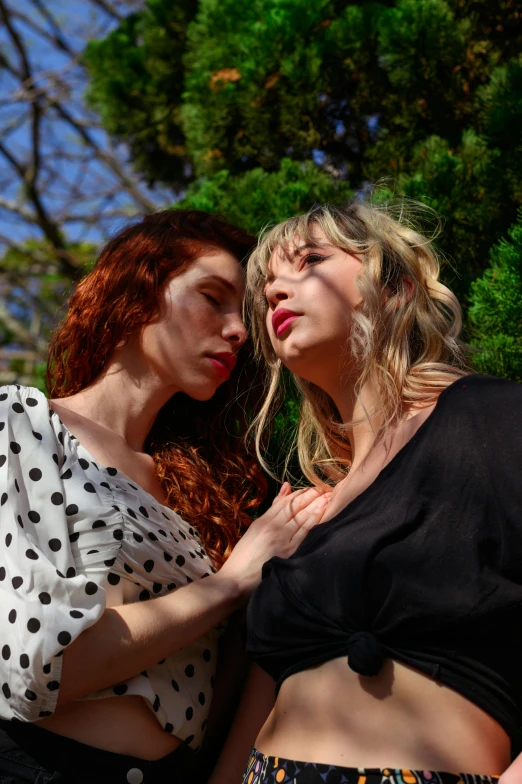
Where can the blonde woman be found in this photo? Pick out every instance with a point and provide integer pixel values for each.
(392, 636)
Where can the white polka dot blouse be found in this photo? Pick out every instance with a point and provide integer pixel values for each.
(76, 538)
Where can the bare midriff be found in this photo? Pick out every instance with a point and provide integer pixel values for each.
(124, 725)
(400, 719)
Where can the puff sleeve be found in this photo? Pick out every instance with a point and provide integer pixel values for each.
(44, 603)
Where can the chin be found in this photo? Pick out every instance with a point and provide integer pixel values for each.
(297, 358)
(203, 392)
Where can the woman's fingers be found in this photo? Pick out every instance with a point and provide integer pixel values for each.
(308, 518)
(299, 500)
(284, 491)
(278, 532)
(312, 510)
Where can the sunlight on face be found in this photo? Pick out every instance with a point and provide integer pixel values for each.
(311, 292)
(194, 342)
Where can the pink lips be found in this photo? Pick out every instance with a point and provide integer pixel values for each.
(282, 319)
(224, 362)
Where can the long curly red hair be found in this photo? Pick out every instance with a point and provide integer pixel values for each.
(198, 447)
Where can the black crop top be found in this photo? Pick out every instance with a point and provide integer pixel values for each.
(424, 566)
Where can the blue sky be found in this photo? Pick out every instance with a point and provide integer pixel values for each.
(77, 189)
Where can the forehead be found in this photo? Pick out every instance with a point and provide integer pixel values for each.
(288, 251)
(219, 267)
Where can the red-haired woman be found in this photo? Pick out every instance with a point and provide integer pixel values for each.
(109, 634)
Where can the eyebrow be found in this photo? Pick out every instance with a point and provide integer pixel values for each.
(294, 254)
(218, 279)
(301, 248)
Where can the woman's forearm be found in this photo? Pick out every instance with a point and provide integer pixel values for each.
(129, 638)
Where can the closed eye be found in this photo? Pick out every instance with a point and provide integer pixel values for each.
(212, 299)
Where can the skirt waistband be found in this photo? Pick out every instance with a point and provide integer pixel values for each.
(262, 769)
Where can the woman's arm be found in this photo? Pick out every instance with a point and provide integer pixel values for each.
(256, 703)
(513, 775)
(132, 637)
(129, 638)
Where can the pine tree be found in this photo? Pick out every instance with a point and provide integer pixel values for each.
(496, 309)
(258, 108)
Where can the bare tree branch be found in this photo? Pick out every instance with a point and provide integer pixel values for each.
(113, 164)
(57, 37)
(6, 18)
(63, 185)
(108, 8)
(23, 334)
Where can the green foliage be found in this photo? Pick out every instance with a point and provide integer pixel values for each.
(465, 186)
(258, 108)
(38, 255)
(499, 108)
(258, 197)
(279, 81)
(34, 291)
(496, 309)
(137, 81)
(419, 44)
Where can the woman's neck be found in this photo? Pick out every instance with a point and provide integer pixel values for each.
(123, 402)
(363, 410)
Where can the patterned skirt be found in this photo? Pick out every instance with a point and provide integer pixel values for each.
(276, 770)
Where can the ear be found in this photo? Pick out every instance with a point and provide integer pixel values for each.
(409, 287)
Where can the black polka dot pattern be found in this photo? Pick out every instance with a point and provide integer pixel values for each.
(87, 536)
(64, 638)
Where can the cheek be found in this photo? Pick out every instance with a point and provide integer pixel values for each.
(190, 316)
(330, 306)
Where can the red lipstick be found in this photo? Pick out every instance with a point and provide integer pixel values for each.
(282, 319)
(224, 362)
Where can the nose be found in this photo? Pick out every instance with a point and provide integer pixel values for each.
(235, 332)
(277, 291)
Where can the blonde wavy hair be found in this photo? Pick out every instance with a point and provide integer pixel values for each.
(403, 338)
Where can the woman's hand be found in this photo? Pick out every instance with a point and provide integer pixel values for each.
(278, 532)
